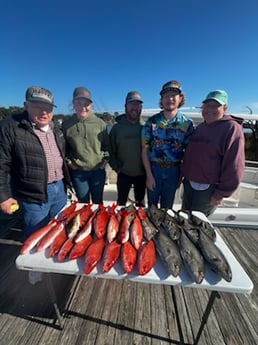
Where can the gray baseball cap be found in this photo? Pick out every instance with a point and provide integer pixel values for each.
(39, 94)
(171, 85)
(82, 92)
(133, 96)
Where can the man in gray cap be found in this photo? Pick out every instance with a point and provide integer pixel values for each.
(165, 136)
(87, 144)
(125, 154)
(32, 151)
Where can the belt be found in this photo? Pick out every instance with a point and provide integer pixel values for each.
(167, 165)
(53, 182)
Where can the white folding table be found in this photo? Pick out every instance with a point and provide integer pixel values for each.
(240, 283)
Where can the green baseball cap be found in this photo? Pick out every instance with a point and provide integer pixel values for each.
(218, 95)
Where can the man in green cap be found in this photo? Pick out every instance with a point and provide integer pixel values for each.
(214, 160)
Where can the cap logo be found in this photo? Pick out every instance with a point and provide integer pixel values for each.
(38, 94)
(41, 94)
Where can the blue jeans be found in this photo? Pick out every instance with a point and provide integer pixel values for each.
(37, 215)
(166, 184)
(89, 184)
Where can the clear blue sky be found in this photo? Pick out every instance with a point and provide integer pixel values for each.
(116, 46)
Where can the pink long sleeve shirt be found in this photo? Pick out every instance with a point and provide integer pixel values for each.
(216, 155)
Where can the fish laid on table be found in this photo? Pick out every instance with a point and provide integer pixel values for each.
(192, 258)
(204, 226)
(192, 234)
(111, 255)
(80, 248)
(86, 229)
(168, 252)
(124, 226)
(136, 232)
(141, 213)
(170, 225)
(100, 221)
(56, 245)
(85, 213)
(65, 249)
(147, 257)
(156, 215)
(46, 241)
(93, 255)
(34, 238)
(128, 257)
(73, 226)
(149, 229)
(68, 211)
(113, 225)
(214, 256)
(191, 222)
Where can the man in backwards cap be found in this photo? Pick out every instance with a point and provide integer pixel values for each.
(164, 138)
(125, 157)
(214, 160)
(32, 155)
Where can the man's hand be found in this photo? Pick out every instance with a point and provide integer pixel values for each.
(215, 202)
(150, 182)
(9, 205)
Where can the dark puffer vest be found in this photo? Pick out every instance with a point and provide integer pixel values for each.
(22, 158)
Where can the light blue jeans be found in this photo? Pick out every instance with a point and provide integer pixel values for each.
(37, 215)
(166, 184)
(89, 185)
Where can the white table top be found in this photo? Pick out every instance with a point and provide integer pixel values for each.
(240, 283)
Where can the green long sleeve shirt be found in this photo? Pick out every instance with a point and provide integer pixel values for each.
(87, 141)
(125, 145)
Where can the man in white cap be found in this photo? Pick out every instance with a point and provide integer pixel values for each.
(214, 160)
(32, 153)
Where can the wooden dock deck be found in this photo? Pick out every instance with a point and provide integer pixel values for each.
(122, 312)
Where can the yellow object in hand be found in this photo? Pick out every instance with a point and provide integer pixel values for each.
(14, 207)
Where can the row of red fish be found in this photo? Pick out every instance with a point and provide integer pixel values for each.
(105, 233)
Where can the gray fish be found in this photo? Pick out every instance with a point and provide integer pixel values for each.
(156, 214)
(192, 234)
(191, 231)
(205, 226)
(171, 226)
(192, 258)
(193, 224)
(168, 252)
(214, 256)
(149, 229)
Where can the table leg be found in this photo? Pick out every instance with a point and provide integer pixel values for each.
(53, 298)
(206, 314)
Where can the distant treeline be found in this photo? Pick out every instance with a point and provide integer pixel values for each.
(251, 142)
(4, 112)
